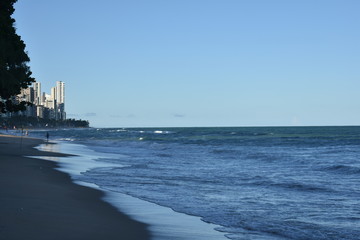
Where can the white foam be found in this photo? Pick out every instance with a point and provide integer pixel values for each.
(161, 132)
(84, 160)
(164, 223)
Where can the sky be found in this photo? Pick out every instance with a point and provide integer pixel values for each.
(194, 63)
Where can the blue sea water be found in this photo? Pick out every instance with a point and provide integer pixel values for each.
(265, 183)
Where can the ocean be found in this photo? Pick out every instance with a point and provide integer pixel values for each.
(248, 183)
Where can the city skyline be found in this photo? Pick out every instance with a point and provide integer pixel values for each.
(47, 106)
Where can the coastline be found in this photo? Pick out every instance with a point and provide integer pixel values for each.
(163, 222)
(39, 202)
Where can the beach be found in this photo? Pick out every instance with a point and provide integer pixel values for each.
(253, 183)
(270, 183)
(39, 202)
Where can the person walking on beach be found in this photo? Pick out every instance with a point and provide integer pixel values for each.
(47, 136)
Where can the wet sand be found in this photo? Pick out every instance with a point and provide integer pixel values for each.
(39, 202)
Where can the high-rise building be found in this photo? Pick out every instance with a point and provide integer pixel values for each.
(60, 100)
(27, 94)
(52, 93)
(60, 92)
(38, 94)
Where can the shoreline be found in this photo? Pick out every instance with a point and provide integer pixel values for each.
(163, 222)
(39, 202)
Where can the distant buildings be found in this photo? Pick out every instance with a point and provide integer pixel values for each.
(47, 106)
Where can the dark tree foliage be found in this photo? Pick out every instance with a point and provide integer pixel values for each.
(35, 122)
(15, 74)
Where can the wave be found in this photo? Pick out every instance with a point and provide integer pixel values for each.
(161, 132)
(67, 139)
(343, 169)
(303, 187)
(296, 186)
(117, 130)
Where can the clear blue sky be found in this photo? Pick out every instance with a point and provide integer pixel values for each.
(131, 63)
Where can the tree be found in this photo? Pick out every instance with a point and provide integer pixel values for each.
(15, 74)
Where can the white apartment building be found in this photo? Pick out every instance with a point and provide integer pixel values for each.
(37, 94)
(60, 92)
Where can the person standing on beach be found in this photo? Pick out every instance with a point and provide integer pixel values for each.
(47, 136)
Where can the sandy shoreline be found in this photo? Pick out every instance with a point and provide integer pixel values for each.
(39, 202)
